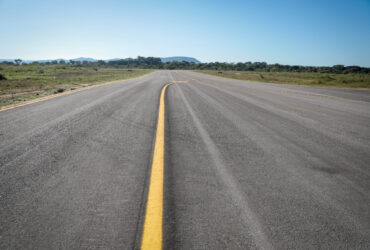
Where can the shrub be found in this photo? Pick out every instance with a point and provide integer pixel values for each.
(2, 77)
(58, 91)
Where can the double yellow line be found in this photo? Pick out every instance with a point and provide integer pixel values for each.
(152, 233)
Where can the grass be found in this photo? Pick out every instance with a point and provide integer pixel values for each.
(312, 79)
(26, 82)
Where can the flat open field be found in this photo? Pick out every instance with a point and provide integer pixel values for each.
(28, 81)
(314, 79)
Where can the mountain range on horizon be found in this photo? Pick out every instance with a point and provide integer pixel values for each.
(89, 59)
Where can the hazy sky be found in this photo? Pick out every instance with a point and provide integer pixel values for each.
(288, 32)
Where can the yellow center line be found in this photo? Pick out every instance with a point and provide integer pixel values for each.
(152, 233)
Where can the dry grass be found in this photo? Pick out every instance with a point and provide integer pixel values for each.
(27, 82)
(313, 79)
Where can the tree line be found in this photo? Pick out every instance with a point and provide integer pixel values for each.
(156, 63)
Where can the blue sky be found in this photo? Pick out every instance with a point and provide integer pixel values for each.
(286, 31)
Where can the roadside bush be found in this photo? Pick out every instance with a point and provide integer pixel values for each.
(59, 91)
(2, 77)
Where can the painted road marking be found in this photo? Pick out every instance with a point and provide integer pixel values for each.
(152, 232)
(20, 104)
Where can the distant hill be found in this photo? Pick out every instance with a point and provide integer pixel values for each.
(6, 60)
(179, 59)
(81, 59)
(113, 59)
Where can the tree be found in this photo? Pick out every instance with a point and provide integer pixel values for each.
(101, 62)
(18, 61)
(338, 68)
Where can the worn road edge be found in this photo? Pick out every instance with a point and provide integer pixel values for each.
(20, 104)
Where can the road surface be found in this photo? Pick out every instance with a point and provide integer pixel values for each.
(246, 166)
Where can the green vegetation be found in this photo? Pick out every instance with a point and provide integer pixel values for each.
(20, 81)
(156, 63)
(264, 67)
(27, 81)
(317, 79)
(335, 76)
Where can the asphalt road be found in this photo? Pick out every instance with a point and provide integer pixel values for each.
(247, 166)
